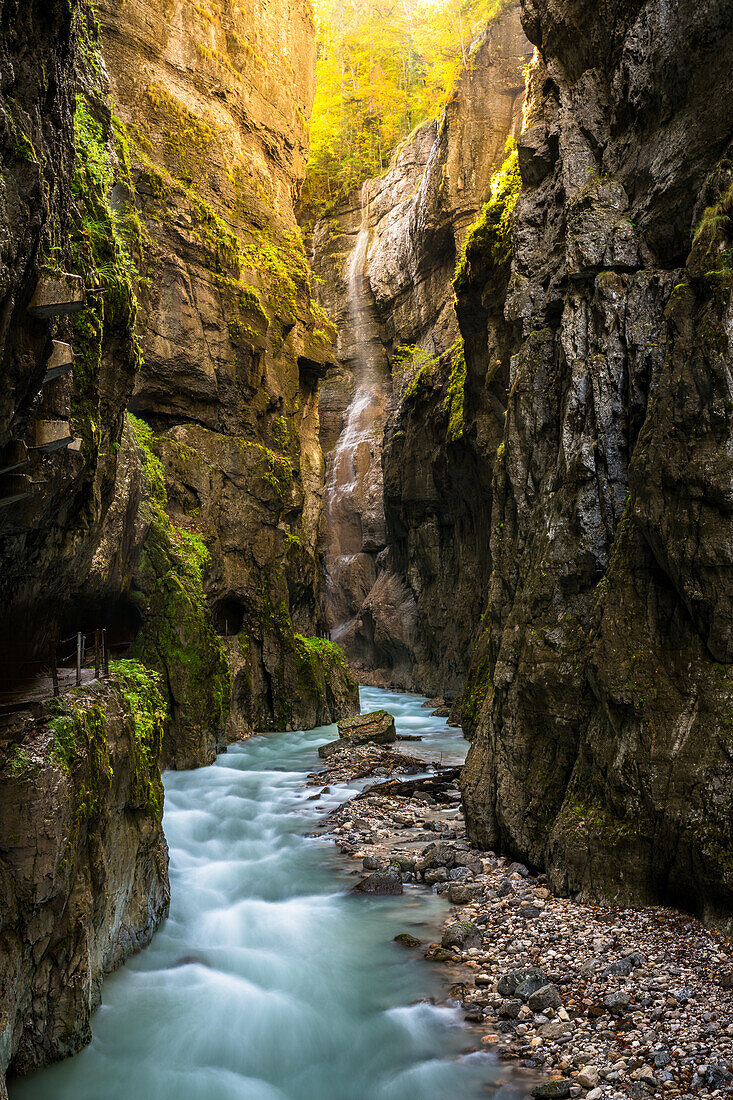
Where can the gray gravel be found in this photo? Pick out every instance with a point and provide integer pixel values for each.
(611, 1003)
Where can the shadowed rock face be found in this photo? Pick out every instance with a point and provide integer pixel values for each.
(50, 535)
(195, 197)
(404, 545)
(189, 209)
(83, 875)
(600, 690)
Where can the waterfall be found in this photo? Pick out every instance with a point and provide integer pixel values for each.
(353, 509)
(360, 298)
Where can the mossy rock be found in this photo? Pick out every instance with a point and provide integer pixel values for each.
(177, 637)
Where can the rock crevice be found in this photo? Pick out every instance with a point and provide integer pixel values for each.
(426, 461)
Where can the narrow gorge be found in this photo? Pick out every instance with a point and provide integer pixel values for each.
(371, 358)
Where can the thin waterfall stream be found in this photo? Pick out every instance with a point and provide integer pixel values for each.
(353, 520)
(269, 981)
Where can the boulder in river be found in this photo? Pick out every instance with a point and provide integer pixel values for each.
(406, 940)
(381, 882)
(377, 726)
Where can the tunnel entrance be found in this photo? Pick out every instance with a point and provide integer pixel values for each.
(121, 619)
(228, 616)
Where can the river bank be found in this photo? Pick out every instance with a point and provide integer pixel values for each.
(603, 1002)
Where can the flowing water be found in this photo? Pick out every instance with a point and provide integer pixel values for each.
(353, 509)
(268, 980)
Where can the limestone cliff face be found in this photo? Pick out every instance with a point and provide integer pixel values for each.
(600, 693)
(215, 100)
(404, 591)
(83, 874)
(84, 871)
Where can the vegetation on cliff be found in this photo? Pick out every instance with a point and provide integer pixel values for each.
(79, 738)
(177, 636)
(487, 248)
(100, 254)
(382, 70)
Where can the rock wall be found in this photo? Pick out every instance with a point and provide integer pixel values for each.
(214, 101)
(408, 596)
(85, 886)
(601, 685)
(60, 432)
(83, 874)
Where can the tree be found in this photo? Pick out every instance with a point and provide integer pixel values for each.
(384, 67)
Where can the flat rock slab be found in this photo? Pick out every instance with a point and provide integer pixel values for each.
(324, 751)
(377, 726)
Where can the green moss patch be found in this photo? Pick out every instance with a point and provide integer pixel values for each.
(321, 652)
(318, 662)
(101, 255)
(712, 250)
(456, 385)
(260, 269)
(415, 367)
(141, 690)
(487, 248)
(177, 636)
(478, 688)
(78, 745)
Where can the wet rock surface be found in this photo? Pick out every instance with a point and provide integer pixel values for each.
(600, 1002)
(84, 874)
(58, 502)
(565, 484)
(601, 679)
(234, 345)
(376, 728)
(191, 535)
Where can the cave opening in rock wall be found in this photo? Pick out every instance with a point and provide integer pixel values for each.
(228, 615)
(120, 619)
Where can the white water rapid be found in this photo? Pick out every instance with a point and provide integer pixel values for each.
(269, 981)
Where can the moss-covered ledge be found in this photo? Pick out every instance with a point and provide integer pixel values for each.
(177, 636)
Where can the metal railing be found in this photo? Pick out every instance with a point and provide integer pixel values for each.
(79, 653)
